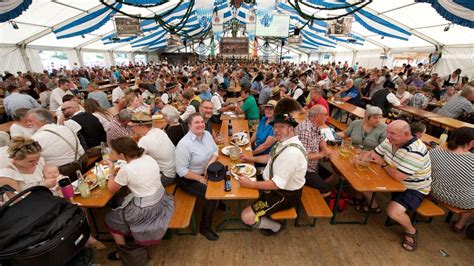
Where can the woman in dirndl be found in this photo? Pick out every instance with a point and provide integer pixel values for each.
(145, 212)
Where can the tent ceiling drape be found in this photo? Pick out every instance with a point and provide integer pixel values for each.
(400, 23)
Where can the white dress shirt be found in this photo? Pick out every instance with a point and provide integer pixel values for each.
(158, 145)
(290, 166)
(117, 93)
(55, 150)
(56, 98)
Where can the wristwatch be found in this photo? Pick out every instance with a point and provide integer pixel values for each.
(384, 165)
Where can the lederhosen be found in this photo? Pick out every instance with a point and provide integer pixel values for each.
(274, 201)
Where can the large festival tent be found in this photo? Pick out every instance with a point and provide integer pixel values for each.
(381, 32)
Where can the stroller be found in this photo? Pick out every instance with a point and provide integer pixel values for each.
(37, 228)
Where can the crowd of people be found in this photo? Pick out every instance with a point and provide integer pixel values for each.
(57, 126)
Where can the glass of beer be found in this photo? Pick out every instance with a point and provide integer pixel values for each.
(234, 154)
(345, 150)
(361, 162)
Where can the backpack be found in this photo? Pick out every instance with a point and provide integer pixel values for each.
(342, 203)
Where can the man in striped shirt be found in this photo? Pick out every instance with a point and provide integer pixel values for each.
(405, 158)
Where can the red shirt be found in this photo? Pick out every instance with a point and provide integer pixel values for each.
(322, 102)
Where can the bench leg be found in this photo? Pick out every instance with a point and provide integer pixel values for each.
(413, 218)
(449, 217)
(338, 196)
(193, 230)
(370, 204)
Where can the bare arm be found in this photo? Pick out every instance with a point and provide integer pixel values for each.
(267, 144)
(261, 185)
(393, 172)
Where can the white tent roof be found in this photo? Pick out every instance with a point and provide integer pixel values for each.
(425, 23)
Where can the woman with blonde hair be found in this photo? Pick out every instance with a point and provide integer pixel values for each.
(26, 166)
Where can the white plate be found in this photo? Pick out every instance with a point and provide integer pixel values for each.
(239, 141)
(250, 170)
(226, 150)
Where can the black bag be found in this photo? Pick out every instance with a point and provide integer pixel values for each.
(216, 172)
(37, 228)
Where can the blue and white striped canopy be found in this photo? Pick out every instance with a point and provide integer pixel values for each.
(10, 9)
(313, 34)
(457, 11)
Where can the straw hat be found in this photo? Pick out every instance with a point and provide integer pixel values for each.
(140, 118)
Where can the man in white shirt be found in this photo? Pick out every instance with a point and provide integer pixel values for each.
(60, 145)
(284, 177)
(119, 92)
(218, 102)
(157, 144)
(56, 98)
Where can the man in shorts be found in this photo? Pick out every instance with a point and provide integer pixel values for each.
(284, 177)
(405, 158)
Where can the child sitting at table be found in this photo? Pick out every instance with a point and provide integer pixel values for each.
(51, 176)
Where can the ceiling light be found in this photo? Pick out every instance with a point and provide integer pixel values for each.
(14, 25)
(447, 27)
(383, 37)
(83, 36)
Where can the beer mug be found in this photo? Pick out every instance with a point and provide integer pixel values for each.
(345, 150)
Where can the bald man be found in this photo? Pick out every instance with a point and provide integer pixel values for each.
(86, 124)
(405, 158)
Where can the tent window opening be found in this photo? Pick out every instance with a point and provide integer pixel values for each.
(121, 59)
(94, 59)
(140, 59)
(53, 60)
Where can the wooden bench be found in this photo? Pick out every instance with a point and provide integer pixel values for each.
(289, 214)
(338, 124)
(429, 209)
(452, 210)
(314, 205)
(183, 214)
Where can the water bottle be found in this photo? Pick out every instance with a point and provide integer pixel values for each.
(227, 183)
(101, 178)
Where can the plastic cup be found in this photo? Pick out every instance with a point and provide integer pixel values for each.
(66, 188)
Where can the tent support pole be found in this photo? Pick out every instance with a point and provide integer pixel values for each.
(79, 57)
(25, 58)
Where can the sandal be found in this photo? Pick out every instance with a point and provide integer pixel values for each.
(114, 256)
(457, 229)
(410, 245)
(364, 208)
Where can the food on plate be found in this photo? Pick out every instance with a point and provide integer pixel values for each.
(246, 170)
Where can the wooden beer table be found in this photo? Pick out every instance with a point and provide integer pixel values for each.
(450, 123)
(374, 179)
(352, 109)
(215, 190)
(417, 112)
(98, 199)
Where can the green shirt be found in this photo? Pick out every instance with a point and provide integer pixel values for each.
(250, 108)
(369, 140)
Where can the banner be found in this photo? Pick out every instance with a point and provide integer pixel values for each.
(234, 46)
(126, 26)
(174, 40)
(294, 40)
(340, 26)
